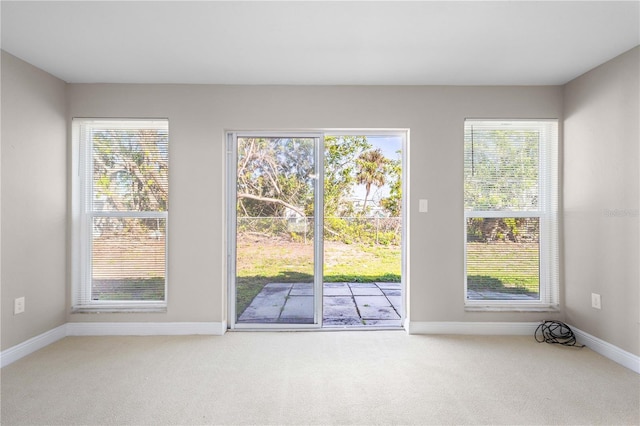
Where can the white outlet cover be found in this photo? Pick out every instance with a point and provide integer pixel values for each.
(423, 206)
(18, 305)
(596, 302)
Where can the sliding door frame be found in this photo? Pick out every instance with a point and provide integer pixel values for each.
(318, 220)
(231, 220)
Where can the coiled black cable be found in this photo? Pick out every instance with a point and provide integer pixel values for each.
(556, 332)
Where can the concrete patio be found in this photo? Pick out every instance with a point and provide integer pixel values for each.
(344, 304)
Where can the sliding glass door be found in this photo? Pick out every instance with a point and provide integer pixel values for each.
(315, 229)
(276, 233)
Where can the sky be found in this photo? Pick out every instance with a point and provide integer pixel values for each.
(389, 145)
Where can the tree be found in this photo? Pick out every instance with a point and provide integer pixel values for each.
(130, 169)
(341, 153)
(393, 203)
(371, 170)
(501, 173)
(501, 170)
(130, 173)
(275, 175)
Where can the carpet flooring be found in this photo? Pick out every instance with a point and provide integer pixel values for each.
(330, 378)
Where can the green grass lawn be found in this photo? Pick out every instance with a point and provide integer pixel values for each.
(128, 289)
(508, 267)
(264, 261)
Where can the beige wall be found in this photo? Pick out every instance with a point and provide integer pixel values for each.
(601, 189)
(601, 201)
(198, 117)
(34, 200)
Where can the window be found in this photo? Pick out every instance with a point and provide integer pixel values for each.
(511, 210)
(120, 214)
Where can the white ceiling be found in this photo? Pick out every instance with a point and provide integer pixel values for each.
(317, 42)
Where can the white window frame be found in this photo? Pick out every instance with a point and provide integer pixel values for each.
(548, 216)
(82, 219)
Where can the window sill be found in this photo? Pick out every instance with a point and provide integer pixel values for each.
(118, 309)
(509, 308)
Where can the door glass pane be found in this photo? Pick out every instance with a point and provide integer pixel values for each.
(362, 231)
(274, 230)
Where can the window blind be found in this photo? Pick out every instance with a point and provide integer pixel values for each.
(510, 199)
(124, 213)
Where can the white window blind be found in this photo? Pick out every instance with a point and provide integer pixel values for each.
(511, 212)
(122, 189)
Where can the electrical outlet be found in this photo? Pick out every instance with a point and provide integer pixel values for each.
(18, 305)
(596, 302)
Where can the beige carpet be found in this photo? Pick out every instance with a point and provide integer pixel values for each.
(353, 377)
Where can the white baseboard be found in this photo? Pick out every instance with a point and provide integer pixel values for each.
(614, 353)
(477, 328)
(145, 328)
(27, 347)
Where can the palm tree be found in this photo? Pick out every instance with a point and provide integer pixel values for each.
(371, 170)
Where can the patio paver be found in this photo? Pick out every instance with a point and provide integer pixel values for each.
(267, 305)
(341, 322)
(298, 309)
(366, 291)
(396, 301)
(389, 286)
(336, 289)
(302, 289)
(340, 310)
(344, 304)
(376, 308)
